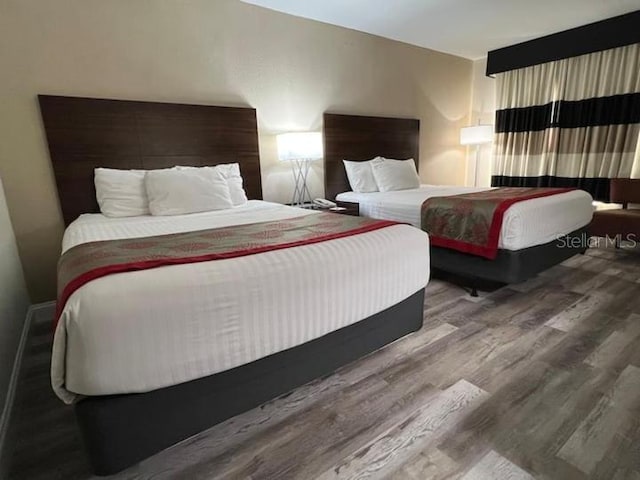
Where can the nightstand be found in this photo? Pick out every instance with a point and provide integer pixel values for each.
(343, 208)
(350, 208)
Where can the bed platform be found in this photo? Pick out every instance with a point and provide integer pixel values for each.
(121, 430)
(510, 266)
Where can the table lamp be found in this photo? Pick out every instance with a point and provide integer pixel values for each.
(300, 149)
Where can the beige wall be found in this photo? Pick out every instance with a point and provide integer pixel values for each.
(13, 302)
(483, 110)
(206, 51)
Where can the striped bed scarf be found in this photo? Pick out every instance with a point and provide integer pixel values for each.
(471, 223)
(88, 261)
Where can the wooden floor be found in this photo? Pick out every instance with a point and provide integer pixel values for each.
(537, 380)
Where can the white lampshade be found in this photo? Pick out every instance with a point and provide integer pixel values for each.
(299, 146)
(476, 135)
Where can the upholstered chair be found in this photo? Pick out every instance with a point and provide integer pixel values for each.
(622, 223)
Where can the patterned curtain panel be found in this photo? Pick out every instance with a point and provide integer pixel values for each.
(570, 123)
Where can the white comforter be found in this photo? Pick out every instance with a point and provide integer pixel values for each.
(144, 330)
(525, 224)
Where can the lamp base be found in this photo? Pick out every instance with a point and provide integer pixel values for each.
(301, 195)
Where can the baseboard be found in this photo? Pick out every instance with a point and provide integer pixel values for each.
(5, 418)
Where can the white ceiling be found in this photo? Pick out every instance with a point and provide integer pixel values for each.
(468, 28)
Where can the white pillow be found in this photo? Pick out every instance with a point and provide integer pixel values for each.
(181, 191)
(360, 175)
(121, 193)
(395, 175)
(231, 173)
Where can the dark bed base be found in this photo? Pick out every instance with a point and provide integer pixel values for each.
(121, 430)
(509, 266)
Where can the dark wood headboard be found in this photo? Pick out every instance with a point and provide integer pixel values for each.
(85, 133)
(358, 138)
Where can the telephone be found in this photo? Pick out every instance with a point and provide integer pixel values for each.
(324, 203)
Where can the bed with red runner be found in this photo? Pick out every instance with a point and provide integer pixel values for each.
(89, 261)
(210, 314)
(471, 223)
(465, 235)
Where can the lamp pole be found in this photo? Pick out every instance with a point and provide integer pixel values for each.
(301, 193)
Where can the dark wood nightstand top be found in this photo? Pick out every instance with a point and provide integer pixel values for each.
(352, 208)
(346, 208)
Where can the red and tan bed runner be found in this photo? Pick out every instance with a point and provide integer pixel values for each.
(89, 261)
(471, 222)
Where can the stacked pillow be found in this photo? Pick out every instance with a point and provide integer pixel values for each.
(231, 174)
(121, 193)
(181, 191)
(172, 191)
(382, 175)
(360, 175)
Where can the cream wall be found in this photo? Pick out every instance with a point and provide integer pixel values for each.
(220, 52)
(483, 110)
(13, 304)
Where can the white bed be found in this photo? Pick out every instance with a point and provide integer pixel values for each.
(526, 224)
(144, 330)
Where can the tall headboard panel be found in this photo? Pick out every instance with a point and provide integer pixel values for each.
(85, 133)
(358, 138)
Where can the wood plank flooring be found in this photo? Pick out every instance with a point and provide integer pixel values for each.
(536, 380)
